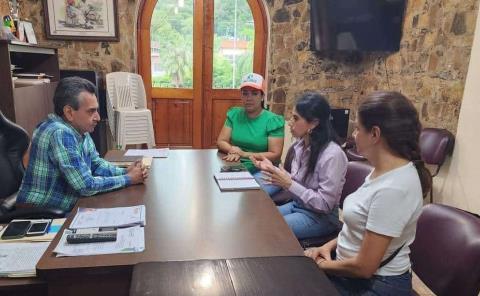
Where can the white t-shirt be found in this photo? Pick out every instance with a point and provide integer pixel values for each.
(389, 205)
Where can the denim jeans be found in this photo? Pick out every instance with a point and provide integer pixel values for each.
(268, 188)
(305, 223)
(395, 285)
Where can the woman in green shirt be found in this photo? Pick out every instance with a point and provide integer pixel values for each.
(252, 130)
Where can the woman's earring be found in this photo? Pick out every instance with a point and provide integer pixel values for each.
(309, 131)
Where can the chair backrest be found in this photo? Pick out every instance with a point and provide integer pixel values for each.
(126, 91)
(14, 141)
(357, 171)
(446, 251)
(435, 145)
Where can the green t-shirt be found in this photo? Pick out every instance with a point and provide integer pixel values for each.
(251, 134)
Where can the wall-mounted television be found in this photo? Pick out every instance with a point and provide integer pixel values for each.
(356, 25)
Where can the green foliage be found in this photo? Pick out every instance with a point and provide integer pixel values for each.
(173, 32)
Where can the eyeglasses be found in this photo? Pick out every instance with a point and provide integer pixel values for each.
(251, 93)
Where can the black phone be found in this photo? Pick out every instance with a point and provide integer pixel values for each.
(16, 229)
(38, 228)
(233, 168)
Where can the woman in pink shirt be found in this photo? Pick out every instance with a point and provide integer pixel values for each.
(318, 170)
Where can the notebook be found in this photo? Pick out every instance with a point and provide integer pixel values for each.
(236, 181)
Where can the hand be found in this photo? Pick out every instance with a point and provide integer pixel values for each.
(235, 150)
(319, 254)
(261, 162)
(277, 176)
(138, 175)
(232, 157)
(137, 163)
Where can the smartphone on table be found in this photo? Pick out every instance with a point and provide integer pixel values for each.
(16, 229)
(39, 227)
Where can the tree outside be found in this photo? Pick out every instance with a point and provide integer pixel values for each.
(172, 43)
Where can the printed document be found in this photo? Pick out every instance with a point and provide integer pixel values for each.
(109, 217)
(155, 153)
(129, 240)
(20, 259)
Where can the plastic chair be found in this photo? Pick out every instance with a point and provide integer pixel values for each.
(446, 250)
(129, 119)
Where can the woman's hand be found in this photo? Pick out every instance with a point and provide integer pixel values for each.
(319, 254)
(277, 176)
(231, 157)
(262, 163)
(235, 150)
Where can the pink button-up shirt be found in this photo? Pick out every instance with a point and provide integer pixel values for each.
(321, 191)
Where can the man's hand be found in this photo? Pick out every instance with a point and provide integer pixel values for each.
(137, 163)
(138, 174)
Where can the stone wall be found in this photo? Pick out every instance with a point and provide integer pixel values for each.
(430, 67)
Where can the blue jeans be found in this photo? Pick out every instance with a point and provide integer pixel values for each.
(268, 188)
(395, 285)
(306, 224)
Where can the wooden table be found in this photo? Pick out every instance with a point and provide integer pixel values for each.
(188, 218)
(276, 276)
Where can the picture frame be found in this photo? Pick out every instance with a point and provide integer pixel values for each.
(29, 32)
(87, 20)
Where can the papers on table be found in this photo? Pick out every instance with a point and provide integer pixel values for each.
(20, 259)
(236, 181)
(155, 153)
(109, 217)
(129, 240)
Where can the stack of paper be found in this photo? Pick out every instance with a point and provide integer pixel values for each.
(129, 240)
(155, 153)
(128, 221)
(236, 181)
(109, 217)
(20, 259)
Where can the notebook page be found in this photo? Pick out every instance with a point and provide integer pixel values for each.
(233, 175)
(238, 184)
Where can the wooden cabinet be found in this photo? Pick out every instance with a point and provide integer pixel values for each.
(27, 105)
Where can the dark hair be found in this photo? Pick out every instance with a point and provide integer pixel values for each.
(68, 91)
(313, 106)
(397, 119)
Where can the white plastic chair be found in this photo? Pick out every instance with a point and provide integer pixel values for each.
(129, 119)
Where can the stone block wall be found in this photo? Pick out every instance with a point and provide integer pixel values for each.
(430, 67)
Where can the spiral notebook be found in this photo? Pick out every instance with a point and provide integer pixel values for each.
(236, 181)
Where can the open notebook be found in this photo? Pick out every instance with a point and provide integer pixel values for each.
(236, 181)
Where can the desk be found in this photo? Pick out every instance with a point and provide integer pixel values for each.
(188, 218)
(278, 276)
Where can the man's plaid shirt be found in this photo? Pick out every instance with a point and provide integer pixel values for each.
(65, 165)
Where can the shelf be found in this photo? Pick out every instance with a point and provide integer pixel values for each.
(20, 48)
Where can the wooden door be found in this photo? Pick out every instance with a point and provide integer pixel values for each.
(189, 107)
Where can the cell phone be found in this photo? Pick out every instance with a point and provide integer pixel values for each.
(233, 168)
(38, 228)
(16, 229)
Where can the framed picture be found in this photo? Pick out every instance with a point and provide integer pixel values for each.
(29, 32)
(89, 20)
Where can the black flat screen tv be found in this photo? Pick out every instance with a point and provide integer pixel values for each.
(356, 25)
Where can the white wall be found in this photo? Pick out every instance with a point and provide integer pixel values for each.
(458, 183)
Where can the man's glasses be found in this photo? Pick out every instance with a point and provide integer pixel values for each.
(251, 93)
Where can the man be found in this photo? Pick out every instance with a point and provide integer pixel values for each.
(64, 163)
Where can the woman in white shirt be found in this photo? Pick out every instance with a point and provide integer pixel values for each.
(372, 250)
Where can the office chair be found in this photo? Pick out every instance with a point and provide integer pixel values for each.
(435, 145)
(14, 143)
(446, 250)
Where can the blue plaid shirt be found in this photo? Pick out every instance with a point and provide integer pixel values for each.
(65, 165)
